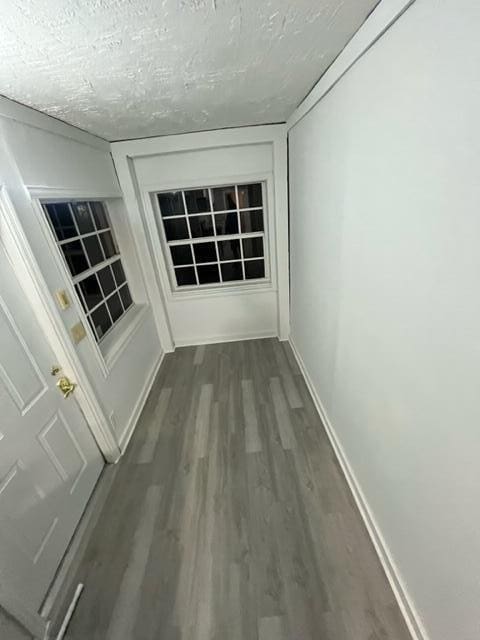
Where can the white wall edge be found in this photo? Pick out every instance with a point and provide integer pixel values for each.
(198, 140)
(33, 118)
(138, 408)
(410, 615)
(226, 338)
(385, 14)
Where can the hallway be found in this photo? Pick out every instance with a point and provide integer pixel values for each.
(229, 518)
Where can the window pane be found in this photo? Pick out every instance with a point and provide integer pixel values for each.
(205, 252)
(115, 307)
(229, 249)
(231, 271)
(249, 195)
(118, 272)
(226, 223)
(254, 269)
(126, 297)
(62, 220)
(99, 215)
(224, 198)
(197, 200)
(201, 226)
(251, 221)
(75, 257)
(208, 274)
(181, 254)
(91, 291)
(106, 280)
(101, 321)
(93, 250)
(185, 276)
(108, 244)
(171, 204)
(252, 247)
(176, 229)
(83, 218)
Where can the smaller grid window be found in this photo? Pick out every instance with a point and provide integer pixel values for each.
(85, 238)
(214, 235)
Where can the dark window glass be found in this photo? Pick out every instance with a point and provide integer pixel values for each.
(83, 218)
(197, 200)
(185, 276)
(254, 269)
(252, 247)
(181, 254)
(75, 257)
(115, 307)
(126, 297)
(176, 229)
(62, 220)
(101, 321)
(171, 204)
(249, 195)
(201, 226)
(208, 274)
(108, 244)
(205, 252)
(118, 272)
(229, 249)
(91, 291)
(226, 223)
(106, 280)
(231, 271)
(93, 250)
(99, 215)
(224, 198)
(251, 221)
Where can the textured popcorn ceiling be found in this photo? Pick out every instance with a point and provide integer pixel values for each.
(133, 68)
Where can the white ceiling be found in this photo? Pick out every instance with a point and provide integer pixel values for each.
(134, 68)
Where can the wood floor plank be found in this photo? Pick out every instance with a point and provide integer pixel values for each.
(252, 437)
(148, 449)
(126, 608)
(282, 414)
(229, 517)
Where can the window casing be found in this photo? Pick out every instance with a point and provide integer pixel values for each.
(84, 235)
(214, 236)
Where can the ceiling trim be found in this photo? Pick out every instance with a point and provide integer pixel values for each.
(28, 115)
(385, 14)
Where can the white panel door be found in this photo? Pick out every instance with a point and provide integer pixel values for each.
(49, 461)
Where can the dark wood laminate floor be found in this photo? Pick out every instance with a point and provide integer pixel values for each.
(229, 518)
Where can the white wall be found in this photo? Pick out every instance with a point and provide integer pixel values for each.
(207, 159)
(47, 158)
(385, 312)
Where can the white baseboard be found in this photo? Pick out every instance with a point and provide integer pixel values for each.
(232, 337)
(409, 613)
(137, 410)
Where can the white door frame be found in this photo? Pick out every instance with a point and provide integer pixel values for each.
(48, 315)
(36, 290)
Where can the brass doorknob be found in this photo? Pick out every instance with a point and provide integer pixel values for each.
(65, 386)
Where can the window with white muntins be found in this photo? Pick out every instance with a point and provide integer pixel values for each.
(214, 236)
(85, 237)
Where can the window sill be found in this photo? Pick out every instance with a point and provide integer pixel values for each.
(212, 292)
(119, 337)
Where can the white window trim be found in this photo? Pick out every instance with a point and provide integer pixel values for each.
(244, 287)
(108, 351)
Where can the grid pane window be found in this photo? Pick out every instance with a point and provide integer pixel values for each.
(214, 235)
(87, 242)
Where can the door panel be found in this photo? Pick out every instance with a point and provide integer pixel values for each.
(49, 462)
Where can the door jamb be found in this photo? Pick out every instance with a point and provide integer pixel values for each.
(36, 288)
